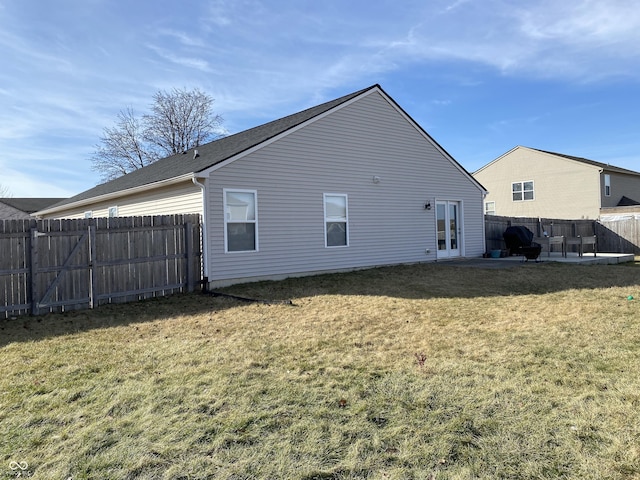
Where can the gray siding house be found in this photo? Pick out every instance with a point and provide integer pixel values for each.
(527, 182)
(352, 183)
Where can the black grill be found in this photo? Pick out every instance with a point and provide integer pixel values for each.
(519, 240)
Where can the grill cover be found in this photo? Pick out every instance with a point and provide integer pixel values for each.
(519, 240)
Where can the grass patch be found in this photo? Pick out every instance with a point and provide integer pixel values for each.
(427, 371)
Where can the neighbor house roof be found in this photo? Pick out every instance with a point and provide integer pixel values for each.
(586, 161)
(29, 205)
(604, 166)
(627, 202)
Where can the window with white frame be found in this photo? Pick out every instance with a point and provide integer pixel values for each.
(113, 211)
(522, 191)
(88, 214)
(607, 185)
(336, 220)
(240, 220)
(489, 208)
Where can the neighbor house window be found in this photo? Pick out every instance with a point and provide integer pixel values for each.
(240, 220)
(88, 214)
(607, 185)
(336, 223)
(489, 208)
(522, 191)
(113, 211)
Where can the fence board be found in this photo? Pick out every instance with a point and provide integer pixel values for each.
(60, 265)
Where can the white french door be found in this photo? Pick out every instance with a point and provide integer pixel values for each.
(448, 228)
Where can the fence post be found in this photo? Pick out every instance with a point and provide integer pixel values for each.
(33, 267)
(92, 272)
(188, 240)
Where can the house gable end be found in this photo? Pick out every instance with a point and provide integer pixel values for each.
(361, 95)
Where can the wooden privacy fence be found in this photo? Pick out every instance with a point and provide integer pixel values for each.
(60, 265)
(619, 235)
(616, 236)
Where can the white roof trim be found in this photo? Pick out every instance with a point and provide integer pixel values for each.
(435, 144)
(118, 194)
(207, 171)
(495, 160)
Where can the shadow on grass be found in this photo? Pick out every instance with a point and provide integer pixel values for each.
(452, 280)
(33, 328)
(415, 282)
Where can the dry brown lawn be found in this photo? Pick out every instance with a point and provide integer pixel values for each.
(434, 371)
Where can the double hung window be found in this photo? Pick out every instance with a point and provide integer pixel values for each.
(489, 208)
(240, 220)
(336, 220)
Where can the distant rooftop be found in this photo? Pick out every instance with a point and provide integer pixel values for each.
(28, 204)
(604, 166)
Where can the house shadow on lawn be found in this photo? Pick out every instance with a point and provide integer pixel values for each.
(27, 328)
(451, 280)
(413, 282)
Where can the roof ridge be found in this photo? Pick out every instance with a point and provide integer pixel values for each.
(211, 153)
(607, 166)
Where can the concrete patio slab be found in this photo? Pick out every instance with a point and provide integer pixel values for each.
(571, 258)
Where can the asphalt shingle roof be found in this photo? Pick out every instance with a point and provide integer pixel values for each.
(604, 166)
(209, 154)
(30, 205)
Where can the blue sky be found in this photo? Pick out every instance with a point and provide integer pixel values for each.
(481, 76)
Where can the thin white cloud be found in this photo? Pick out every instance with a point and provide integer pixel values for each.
(545, 38)
(183, 61)
(31, 54)
(219, 13)
(183, 37)
(455, 5)
(262, 60)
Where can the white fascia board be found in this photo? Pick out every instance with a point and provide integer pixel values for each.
(567, 160)
(497, 159)
(206, 172)
(118, 194)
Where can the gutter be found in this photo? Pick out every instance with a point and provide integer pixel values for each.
(119, 193)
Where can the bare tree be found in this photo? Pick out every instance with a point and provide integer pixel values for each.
(4, 191)
(123, 148)
(179, 120)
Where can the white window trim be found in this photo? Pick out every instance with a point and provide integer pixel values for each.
(115, 209)
(486, 210)
(607, 185)
(88, 214)
(324, 206)
(224, 213)
(523, 190)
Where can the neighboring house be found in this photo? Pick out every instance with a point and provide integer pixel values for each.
(526, 182)
(22, 208)
(352, 183)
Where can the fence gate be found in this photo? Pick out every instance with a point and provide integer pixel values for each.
(60, 265)
(61, 269)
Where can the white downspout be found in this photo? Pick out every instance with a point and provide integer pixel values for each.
(205, 238)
